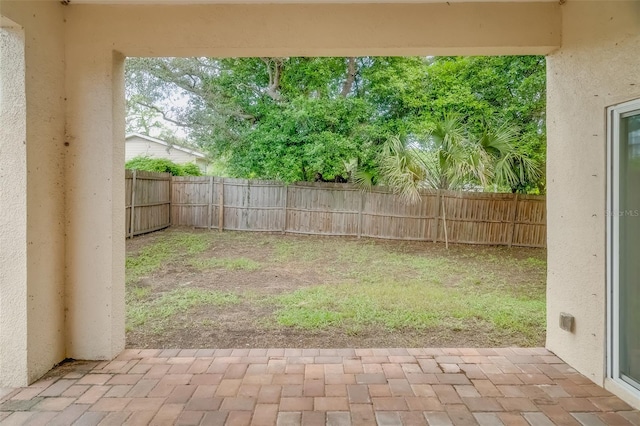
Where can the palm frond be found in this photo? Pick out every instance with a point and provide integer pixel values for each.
(514, 169)
(364, 179)
(400, 170)
(448, 158)
(498, 141)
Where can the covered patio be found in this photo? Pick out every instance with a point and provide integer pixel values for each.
(317, 387)
(62, 222)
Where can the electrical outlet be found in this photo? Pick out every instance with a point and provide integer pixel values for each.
(566, 321)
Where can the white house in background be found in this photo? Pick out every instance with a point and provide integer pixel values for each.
(137, 145)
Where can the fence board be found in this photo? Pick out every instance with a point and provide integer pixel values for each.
(323, 209)
(320, 208)
(191, 201)
(150, 200)
(253, 205)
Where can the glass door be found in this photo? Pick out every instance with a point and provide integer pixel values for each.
(624, 243)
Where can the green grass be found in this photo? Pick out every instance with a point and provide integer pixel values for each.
(414, 305)
(534, 262)
(237, 264)
(354, 284)
(298, 251)
(167, 249)
(361, 260)
(349, 307)
(135, 293)
(159, 310)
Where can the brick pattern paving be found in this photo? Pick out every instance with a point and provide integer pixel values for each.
(318, 387)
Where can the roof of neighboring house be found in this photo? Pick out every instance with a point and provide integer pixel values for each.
(167, 144)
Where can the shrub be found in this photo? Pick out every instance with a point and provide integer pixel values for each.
(162, 165)
(190, 169)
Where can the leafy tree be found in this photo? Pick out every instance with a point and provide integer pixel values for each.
(284, 118)
(289, 118)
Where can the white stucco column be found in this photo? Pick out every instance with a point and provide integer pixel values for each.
(31, 190)
(94, 201)
(13, 201)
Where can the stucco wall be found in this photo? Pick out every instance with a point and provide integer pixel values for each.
(13, 198)
(597, 66)
(32, 170)
(94, 185)
(473, 28)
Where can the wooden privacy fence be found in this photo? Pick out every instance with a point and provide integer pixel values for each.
(342, 209)
(148, 201)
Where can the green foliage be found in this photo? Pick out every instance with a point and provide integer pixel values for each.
(402, 168)
(493, 92)
(290, 118)
(450, 157)
(295, 140)
(162, 165)
(189, 169)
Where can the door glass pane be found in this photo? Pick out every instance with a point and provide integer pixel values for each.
(629, 267)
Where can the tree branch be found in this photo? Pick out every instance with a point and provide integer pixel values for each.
(163, 114)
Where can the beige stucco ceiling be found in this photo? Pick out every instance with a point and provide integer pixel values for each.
(296, 1)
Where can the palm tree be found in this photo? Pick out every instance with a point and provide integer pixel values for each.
(454, 159)
(510, 167)
(449, 158)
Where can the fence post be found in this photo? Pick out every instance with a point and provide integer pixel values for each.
(133, 204)
(512, 227)
(444, 225)
(435, 234)
(221, 205)
(210, 210)
(286, 202)
(360, 208)
(170, 198)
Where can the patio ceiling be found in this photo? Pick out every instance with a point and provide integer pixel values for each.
(302, 1)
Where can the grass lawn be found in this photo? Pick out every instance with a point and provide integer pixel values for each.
(191, 288)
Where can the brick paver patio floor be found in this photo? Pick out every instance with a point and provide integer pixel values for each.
(317, 387)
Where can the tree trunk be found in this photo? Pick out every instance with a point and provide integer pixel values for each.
(351, 77)
(274, 69)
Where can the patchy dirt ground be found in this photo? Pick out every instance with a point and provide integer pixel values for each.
(277, 264)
